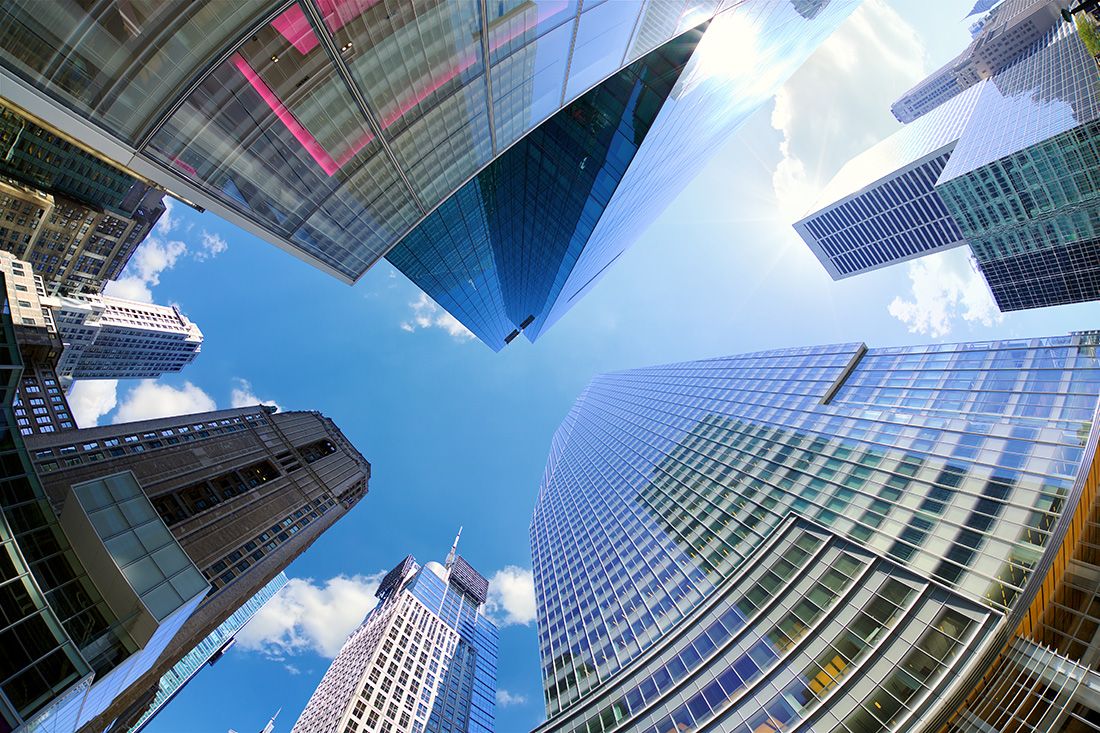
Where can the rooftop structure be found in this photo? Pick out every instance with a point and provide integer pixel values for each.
(423, 661)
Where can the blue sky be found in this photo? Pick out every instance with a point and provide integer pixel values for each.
(457, 434)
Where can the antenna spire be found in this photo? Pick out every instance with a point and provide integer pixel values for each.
(454, 550)
(270, 727)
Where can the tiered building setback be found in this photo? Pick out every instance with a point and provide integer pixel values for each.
(424, 660)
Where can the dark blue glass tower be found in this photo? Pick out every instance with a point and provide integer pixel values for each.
(516, 246)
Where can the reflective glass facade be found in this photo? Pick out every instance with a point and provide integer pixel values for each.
(339, 128)
(1020, 185)
(424, 660)
(882, 206)
(942, 468)
(1024, 187)
(496, 254)
(208, 650)
(748, 52)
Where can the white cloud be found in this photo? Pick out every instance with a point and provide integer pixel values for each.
(130, 288)
(946, 286)
(158, 254)
(91, 399)
(211, 245)
(505, 698)
(426, 314)
(152, 257)
(167, 222)
(309, 617)
(824, 111)
(512, 596)
(243, 396)
(151, 400)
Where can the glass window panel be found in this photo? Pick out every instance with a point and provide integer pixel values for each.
(527, 84)
(153, 535)
(170, 560)
(189, 583)
(446, 145)
(94, 495)
(407, 56)
(162, 601)
(600, 44)
(143, 575)
(274, 129)
(108, 521)
(121, 60)
(514, 25)
(125, 548)
(350, 229)
(137, 511)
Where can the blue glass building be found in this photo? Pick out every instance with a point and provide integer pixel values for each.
(836, 537)
(424, 659)
(502, 155)
(207, 651)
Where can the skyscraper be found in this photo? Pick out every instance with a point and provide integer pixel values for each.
(44, 160)
(122, 596)
(243, 492)
(1005, 34)
(424, 660)
(842, 538)
(75, 216)
(114, 338)
(1024, 186)
(882, 207)
(207, 651)
(62, 338)
(1009, 167)
(501, 155)
(90, 597)
(39, 405)
(74, 247)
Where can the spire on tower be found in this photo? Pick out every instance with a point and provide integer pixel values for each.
(454, 550)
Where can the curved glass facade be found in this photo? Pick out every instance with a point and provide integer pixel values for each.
(510, 150)
(666, 488)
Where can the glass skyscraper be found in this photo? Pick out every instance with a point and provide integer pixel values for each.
(836, 537)
(1014, 173)
(882, 207)
(423, 661)
(1024, 180)
(1000, 37)
(502, 154)
(207, 651)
